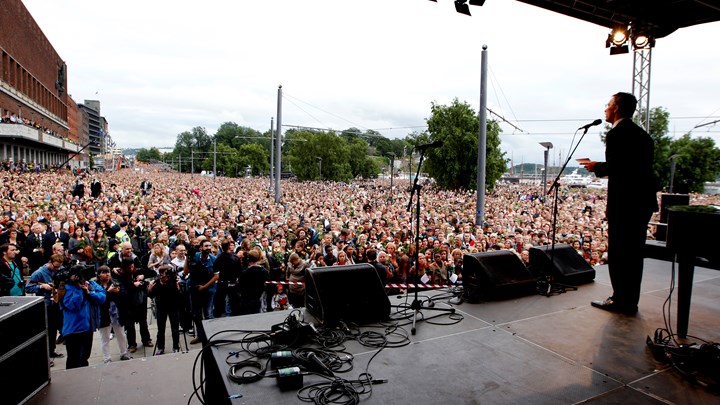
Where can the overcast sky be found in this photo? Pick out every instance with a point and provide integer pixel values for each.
(163, 67)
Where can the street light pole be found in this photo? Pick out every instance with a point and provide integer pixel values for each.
(546, 152)
(320, 166)
(672, 170)
(392, 166)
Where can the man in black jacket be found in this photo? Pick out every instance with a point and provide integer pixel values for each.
(632, 199)
(252, 283)
(228, 267)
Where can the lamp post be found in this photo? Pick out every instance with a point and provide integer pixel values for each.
(546, 152)
(672, 170)
(320, 166)
(392, 164)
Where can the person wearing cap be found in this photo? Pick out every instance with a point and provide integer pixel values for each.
(122, 235)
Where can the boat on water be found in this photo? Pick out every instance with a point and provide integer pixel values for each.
(575, 179)
(598, 183)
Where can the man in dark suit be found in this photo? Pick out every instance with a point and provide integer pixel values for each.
(631, 200)
(57, 235)
(33, 247)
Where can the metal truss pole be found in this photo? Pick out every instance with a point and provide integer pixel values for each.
(641, 85)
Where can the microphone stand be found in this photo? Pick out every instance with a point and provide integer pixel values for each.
(556, 186)
(417, 305)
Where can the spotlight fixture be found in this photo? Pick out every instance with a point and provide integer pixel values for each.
(462, 7)
(617, 41)
(642, 41)
(477, 2)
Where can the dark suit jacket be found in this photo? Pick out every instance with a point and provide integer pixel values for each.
(632, 185)
(35, 259)
(50, 239)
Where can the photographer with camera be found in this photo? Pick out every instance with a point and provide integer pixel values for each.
(110, 316)
(81, 316)
(200, 269)
(166, 291)
(11, 281)
(42, 284)
(134, 288)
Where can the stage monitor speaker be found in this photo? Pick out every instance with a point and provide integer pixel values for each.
(667, 201)
(24, 360)
(351, 293)
(565, 265)
(495, 274)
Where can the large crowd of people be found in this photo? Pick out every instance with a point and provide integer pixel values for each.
(203, 247)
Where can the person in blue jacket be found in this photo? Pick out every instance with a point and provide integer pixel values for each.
(81, 316)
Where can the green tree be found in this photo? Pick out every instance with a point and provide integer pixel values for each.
(454, 165)
(659, 118)
(332, 149)
(232, 134)
(696, 162)
(195, 143)
(361, 164)
(148, 155)
(227, 160)
(255, 156)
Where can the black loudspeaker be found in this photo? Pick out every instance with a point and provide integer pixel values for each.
(24, 357)
(667, 201)
(495, 274)
(351, 293)
(565, 265)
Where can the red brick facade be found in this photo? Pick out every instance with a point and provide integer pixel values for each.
(31, 72)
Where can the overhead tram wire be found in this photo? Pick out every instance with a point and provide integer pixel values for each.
(512, 112)
(285, 95)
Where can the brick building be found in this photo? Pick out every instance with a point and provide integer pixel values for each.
(40, 122)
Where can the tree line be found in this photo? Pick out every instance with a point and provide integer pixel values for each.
(311, 154)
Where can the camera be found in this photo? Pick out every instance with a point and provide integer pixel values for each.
(76, 274)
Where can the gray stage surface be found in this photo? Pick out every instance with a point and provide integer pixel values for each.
(534, 349)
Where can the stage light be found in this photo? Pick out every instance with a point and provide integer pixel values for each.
(462, 7)
(617, 41)
(619, 36)
(477, 2)
(642, 41)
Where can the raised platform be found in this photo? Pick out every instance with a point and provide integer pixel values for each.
(531, 349)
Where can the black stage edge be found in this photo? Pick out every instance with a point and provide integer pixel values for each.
(531, 349)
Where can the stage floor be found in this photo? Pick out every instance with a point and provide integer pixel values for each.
(531, 349)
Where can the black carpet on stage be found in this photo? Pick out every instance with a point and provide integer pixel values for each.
(532, 349)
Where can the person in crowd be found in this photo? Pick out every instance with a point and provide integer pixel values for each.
(100, 248)
(228, 266)
(79, 246)
(111, 323)
(251, 283)
(631, 201)
(33, 248)
(203, 277)
(280, 300)
(166, 292)
(11, 281)
(159, 257)
(133, 288)
(296, 269)
(380, 268)
(178, 264)
(81, 316)
(41, 283)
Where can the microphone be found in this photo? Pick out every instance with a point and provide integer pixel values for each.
(427, 146)
(592, 124)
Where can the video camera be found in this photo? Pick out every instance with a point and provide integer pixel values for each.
(76, 274)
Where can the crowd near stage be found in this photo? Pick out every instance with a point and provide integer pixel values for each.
(525, 349)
